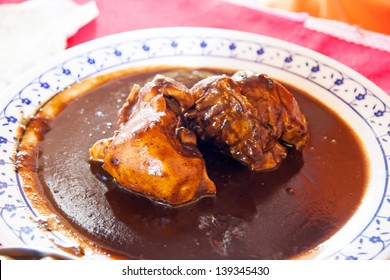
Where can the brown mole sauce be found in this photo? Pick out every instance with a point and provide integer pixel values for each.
(255, 215)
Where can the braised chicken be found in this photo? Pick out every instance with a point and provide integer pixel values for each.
(152, 153)
(249, 116)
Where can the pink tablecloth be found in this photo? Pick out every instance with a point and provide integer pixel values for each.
(124, 15)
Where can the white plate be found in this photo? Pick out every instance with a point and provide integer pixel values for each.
(363, 105)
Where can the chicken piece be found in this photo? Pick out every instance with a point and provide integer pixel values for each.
(152, 154)
(275, 106)
(248, 117)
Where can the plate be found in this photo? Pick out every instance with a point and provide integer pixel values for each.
(358, 101)
(30, 253)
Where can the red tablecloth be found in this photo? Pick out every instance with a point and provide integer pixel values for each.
(124, 15)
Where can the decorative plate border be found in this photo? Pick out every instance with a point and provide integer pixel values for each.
(126, 50)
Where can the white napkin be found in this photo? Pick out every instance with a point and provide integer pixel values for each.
(35, 30)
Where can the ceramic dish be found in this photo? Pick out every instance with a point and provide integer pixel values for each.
(30, 253)
(358, 101)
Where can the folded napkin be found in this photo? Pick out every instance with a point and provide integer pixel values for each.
(35, 30)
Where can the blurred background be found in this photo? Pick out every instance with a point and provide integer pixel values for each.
(373, 15)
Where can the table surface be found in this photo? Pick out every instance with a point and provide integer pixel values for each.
(124, 15)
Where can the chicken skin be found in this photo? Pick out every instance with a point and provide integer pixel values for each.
(276, 107)
(249, 116)
(152, 153)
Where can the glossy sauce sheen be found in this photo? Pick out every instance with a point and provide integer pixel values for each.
(272, 215)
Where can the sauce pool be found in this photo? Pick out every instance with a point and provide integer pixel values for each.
(255, 215)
